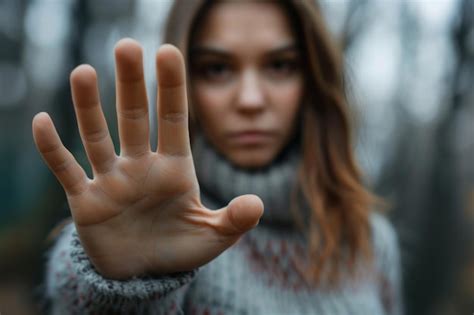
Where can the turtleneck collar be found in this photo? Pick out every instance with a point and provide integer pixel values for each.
(220, 181)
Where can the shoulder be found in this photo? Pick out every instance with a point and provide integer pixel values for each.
(382, 230)
(384, 238)
(387, 261)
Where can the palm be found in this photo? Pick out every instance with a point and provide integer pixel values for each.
(142, 183)
(141, 213)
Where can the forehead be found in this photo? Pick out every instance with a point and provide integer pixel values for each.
(240, 25)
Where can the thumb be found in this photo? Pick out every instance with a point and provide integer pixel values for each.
(241, 214)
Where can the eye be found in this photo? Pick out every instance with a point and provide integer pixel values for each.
(215, 71)
(281, 68)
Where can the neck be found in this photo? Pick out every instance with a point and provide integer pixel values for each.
(220, 181)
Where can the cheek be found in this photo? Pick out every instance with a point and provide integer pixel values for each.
(211, 106)
(287, 100)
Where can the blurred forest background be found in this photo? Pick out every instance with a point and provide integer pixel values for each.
(411, 72)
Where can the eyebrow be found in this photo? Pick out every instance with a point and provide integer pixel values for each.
(211, 50)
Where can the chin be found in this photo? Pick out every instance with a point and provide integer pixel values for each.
(251, 160)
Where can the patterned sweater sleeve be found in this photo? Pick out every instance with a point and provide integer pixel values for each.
(389, 265)
(73, 286)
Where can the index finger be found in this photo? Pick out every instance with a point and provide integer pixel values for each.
(173, 133)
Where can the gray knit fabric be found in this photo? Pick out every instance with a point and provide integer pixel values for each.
(257, 275)
(220, 181)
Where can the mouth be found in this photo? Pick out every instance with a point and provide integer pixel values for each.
(251, 137)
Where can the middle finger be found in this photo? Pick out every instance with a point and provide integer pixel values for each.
(132, 102)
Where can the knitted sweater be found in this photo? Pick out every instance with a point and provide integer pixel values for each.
(257, 275)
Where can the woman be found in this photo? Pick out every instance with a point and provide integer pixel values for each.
(269, 126)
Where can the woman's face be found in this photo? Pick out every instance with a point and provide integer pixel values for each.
(246, 80)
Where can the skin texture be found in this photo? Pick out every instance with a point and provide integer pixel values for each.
(141, 212)
(246, 76)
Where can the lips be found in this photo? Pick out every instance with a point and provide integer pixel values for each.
(251, 137)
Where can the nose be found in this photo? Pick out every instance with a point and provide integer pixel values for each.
(250, 95)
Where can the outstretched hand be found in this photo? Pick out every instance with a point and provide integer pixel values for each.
(141, 213)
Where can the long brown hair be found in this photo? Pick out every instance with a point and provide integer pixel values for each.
(338, 231)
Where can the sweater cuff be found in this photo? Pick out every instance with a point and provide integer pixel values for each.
(78, 284)
(137, 287)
